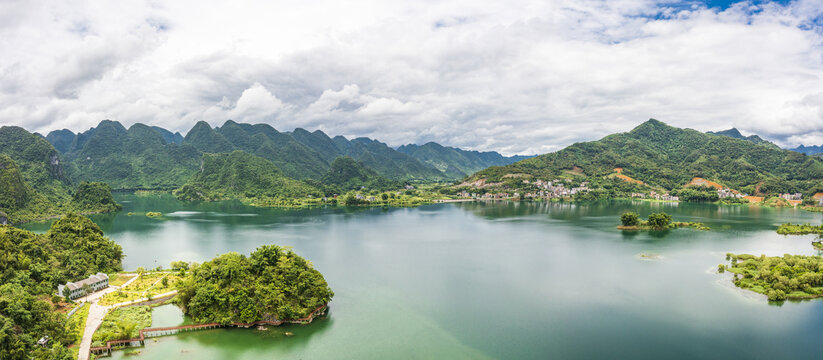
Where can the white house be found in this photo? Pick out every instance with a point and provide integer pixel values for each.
(95, 282)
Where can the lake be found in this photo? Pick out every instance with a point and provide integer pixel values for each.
(502, 280)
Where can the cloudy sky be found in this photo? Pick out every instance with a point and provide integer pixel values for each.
(515, 77)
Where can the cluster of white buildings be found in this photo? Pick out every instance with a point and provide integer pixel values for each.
(654, 195)
(74, 290)
(555, 189)
(795, 196)
(728, 193)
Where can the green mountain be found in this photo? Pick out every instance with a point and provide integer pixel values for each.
(61, 139)
(144, 157)
(669, 157)
(241, 175)
(33, 183)
(134, 158)
(455, 162)
(348, 174)
(735, 134)
(168, 136)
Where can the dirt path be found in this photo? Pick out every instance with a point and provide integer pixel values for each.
(96, 315)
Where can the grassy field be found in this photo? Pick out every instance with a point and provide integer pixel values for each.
(148, 284)
(120, 279)
(122, 323)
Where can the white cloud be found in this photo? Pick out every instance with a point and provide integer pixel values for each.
(481, 75)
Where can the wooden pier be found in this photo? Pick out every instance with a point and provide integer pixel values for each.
(163, 331)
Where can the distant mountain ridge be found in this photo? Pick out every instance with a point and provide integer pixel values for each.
(809, 150)
(456, 161)
(735, 134)
(150, 157)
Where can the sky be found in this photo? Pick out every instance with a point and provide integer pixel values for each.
(524, 77)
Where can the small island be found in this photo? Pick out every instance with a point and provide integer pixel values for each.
(272, 284)
(777, 277)
(797, 229)
(655, 221)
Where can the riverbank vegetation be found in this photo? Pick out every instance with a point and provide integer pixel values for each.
(273, 283)
(32, 267)
(799, 229)
(655, 221)
(778, 277)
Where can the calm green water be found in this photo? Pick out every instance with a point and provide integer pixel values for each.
(483, 280)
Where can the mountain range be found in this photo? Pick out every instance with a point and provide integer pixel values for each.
(735, 134)
(809, 150)
(150, 157)
(664, 156)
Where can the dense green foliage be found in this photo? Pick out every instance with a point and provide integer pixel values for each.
(242, 175)
(669, 157)
(348, 174)
(272, 283)
(779, 278)
(798, 229)
(456, 163)
(659, 221)
(630, 219)
(32, 183)
(655, 221)
(31, 267)
(94, 196)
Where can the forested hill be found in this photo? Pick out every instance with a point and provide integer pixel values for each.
(457, 162)
(662, 155)
(33, 182)
(240, 175)
(143, 157)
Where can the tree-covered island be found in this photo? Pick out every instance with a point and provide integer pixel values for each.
(655, 221)
(798, 229)
(778, 277)
(273, 283)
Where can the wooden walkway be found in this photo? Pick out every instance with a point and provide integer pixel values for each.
(162, 331)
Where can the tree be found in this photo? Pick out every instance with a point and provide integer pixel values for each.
(384, 196)
(629, 219)
(165, 281)
(659, 220)
(140, 271)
